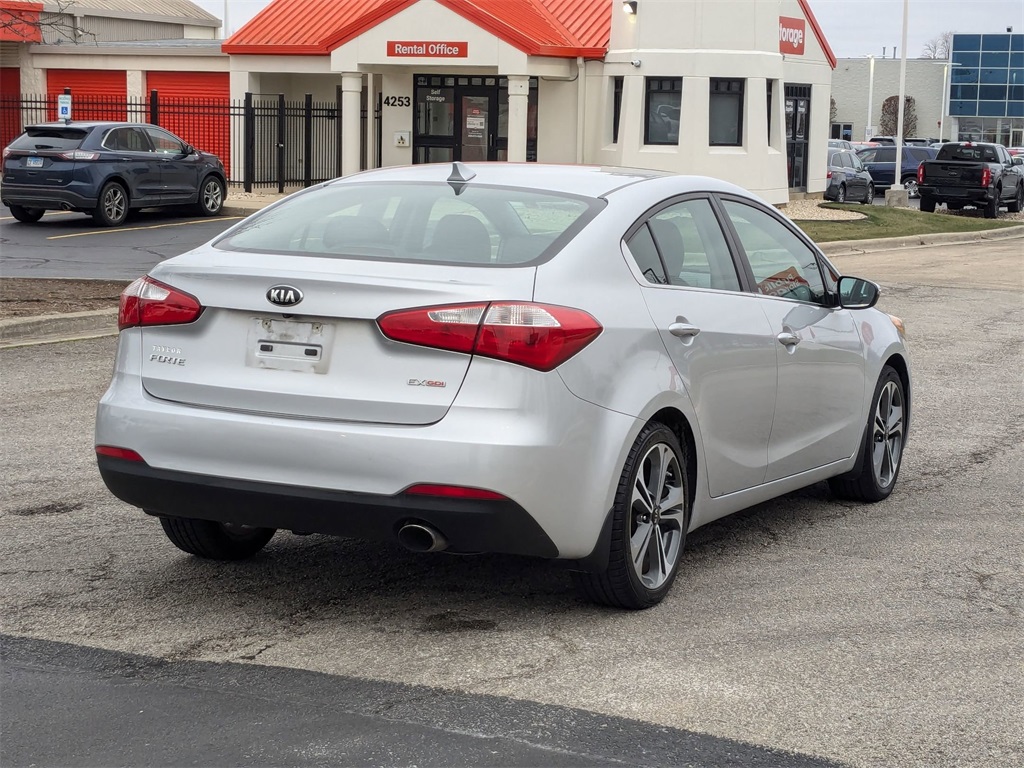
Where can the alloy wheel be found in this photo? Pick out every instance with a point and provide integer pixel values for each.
(114, 204)
(887, 434)
(657, 516)
(213, 197)
(911, 186)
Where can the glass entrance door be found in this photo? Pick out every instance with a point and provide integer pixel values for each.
(798, 121)
(476, 125)
(466, 118)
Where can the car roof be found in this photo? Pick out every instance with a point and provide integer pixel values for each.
(584, 180)
(86, 124)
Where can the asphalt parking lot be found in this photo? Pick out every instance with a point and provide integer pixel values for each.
(72, 245)
(884, 635)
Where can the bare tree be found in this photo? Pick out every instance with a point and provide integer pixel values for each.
(888, 124)
(833, 110)
(36, 22)
(939, 46)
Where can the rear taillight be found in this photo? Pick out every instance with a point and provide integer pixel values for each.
(453, 492)
(986, 176)
(118, 453)
(80, 154)
(828, 174)
(539, 336)
(7, 151)
(920, 174)
(150, 302)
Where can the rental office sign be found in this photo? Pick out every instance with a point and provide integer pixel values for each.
(428, 49)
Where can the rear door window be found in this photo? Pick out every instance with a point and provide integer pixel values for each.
(127, 140)
(693, 248)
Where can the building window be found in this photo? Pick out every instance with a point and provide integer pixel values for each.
(616, 107)
(768, 88)
(842, 131)
(662, 110)
(726, 110)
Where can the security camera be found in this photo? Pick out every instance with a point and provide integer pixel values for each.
(1009, 29)
(635, 62)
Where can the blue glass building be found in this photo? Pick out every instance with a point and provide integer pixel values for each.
(986, 94)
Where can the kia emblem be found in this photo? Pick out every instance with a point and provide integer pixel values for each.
(284, 295)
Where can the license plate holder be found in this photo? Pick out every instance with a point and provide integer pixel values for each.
(33, 162)
(289, 345)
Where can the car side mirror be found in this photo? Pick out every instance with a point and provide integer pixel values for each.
(189, 149)
(1017, 160)
(855, 293)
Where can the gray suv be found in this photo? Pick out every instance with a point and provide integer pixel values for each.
(106, 169)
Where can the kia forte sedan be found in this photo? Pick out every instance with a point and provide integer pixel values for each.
(574, 363)
(106, 169)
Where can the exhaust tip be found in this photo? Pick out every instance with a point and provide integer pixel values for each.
(420, 537)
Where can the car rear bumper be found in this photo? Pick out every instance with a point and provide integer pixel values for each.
(516, 432)
(958, 194)
(468, 525)
(49, 198)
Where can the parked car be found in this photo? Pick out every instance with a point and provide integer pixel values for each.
(881, 164)
(919, 142)
(848, 179)
(560, 361)
(888, 141)
(1015, 150)
(975, 174)
(107, 169)
(839, 144)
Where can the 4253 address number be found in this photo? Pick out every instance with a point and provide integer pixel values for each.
(397, 101)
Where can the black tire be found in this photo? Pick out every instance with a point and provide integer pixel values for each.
(211, 197)
(26, 215)
(877, 475)
(927, 204)
(1017, 205)
(869, 195)
(112, 206)
(841, 194)
(991, 209)
(656, 453)
(215, 541)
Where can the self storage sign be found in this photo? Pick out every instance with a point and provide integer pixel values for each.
(428, 49)
(791, 35)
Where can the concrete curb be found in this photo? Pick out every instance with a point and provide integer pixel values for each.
(20, 331)
(852, 247)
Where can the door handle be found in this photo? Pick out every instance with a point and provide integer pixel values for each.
(683, 330)
(788, 340)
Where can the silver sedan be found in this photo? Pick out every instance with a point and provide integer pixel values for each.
(568, 362)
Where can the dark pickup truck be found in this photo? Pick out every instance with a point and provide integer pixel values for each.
(968, 173)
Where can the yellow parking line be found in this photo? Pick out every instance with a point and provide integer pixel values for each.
(153, 226)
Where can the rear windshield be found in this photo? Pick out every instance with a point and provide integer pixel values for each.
(418, 222)
(963, 152)
(50, 138)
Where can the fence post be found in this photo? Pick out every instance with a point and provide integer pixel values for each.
(249, 130)
(307, 139)
(282, 127)
(154, 107)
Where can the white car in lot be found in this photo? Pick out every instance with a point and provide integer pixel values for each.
(568, 362)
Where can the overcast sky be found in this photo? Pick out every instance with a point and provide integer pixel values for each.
(853, 27)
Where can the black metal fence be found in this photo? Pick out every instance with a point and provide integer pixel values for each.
(264, 140)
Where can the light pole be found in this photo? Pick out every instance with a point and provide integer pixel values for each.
(869, 127)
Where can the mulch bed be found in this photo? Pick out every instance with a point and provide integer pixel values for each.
(26, 296)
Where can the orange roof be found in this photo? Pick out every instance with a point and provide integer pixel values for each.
(19, 21)
(563, 28)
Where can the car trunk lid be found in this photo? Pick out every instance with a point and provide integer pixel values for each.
(43, 156)
(323, 357)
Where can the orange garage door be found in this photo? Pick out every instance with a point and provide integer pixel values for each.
(96, 94)
(197, 107)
